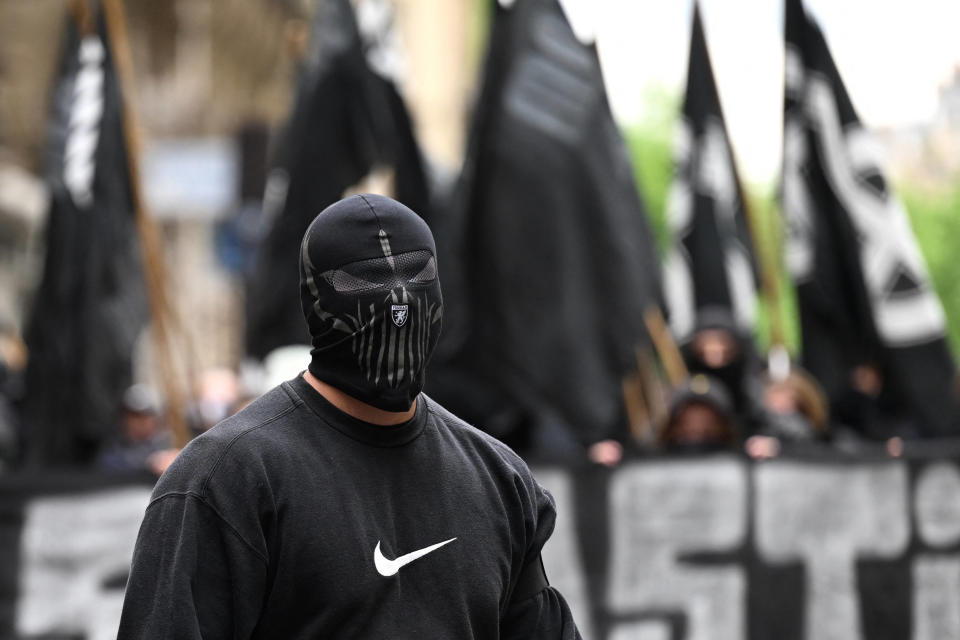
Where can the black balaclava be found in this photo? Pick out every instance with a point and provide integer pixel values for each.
(371, 297)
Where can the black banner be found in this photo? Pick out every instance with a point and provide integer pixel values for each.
(713, 548)
(721, 548)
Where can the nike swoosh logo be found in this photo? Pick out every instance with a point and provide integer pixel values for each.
(388, 568)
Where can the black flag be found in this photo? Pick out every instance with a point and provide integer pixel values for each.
(348, 120)
(862, 285)
(711, 262)
(557, 257)
(90, 306)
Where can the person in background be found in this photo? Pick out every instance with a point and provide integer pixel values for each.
(796, 412)
(719, 349)
(864, 414)
(216, 393)
(344, 503)
(142, 433)
(700, 418)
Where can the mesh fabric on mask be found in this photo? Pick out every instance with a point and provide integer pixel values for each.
(412, 267)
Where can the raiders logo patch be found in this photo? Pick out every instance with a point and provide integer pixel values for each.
(399, 314)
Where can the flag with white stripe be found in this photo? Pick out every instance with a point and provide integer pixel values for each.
(710, 263)
(90, 306)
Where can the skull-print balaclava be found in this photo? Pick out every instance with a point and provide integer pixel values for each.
(371, 297)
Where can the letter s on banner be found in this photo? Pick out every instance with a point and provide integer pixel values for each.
(662, 511)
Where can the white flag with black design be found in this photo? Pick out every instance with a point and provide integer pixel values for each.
(711, 261)
(863, 291)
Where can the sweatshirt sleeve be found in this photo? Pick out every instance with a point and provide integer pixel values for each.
(193, 576)
(546, 615)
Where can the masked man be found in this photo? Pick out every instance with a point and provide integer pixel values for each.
(345, 503)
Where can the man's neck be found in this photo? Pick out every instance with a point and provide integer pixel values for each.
(359, 410)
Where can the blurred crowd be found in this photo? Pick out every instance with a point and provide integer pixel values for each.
(733, 399)
(142, 437)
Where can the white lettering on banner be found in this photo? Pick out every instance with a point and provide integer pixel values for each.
(936, 594)
(640, 631)
(86, 111)
(662, 511)
(75, 550)
(70, 546)
(828, 517)
(888, 249)
(561, 554)
(937, 505)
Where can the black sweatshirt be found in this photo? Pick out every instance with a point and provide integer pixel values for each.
(281, 521)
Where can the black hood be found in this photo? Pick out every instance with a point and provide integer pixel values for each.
(371, 297)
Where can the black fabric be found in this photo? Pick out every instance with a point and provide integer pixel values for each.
(347, 120)
(371, 298)
(266, 526)
(713, 251)
(91, 304)
(551, 239)
(863, 293)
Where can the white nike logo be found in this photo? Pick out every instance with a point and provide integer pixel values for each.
(390, 567)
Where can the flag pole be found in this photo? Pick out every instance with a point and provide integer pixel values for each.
(654, 393)
(638, 414)
(666, 346)
(161, 312)
(82, 17)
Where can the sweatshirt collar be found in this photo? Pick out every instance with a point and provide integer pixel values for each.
(377, 435)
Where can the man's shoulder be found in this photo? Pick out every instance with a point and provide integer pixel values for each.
(268, 408)
(475, 437)
(238, 436)
(494, 461)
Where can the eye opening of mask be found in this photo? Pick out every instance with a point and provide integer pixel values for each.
(388, 272)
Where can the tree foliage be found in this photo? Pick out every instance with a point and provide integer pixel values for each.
(935, 217)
